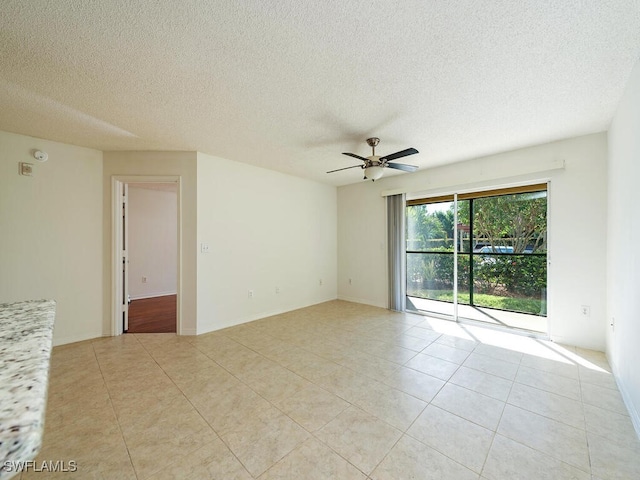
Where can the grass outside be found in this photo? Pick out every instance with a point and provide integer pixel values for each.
(523, 305)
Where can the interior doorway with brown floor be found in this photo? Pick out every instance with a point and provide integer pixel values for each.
(153, 315)
(152, 257)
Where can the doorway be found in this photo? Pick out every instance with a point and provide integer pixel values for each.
(153, 257)
(146, 255)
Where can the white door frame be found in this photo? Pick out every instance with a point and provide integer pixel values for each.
(117, 182)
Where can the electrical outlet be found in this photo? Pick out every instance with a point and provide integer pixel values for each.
(204, 248)
(585, 310)
(277, 289)
(144, 279)
(250, 294)
(320, 282)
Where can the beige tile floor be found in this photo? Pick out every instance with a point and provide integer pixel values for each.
(490, 316)
(336, 391)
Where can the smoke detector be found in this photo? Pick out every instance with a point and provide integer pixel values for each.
(40, 156)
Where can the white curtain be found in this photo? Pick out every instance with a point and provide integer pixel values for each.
(396, 252)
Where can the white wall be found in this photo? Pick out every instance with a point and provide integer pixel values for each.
(577, 226)
(623, 276)
(51, 232)
(264, 230)
(153, 241)
(142, 164)
(362, 244)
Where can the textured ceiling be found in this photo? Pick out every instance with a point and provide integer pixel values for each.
(288, 85)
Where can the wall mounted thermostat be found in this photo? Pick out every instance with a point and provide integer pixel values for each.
(26, 169)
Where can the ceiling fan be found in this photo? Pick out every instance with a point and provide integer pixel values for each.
(374, 165)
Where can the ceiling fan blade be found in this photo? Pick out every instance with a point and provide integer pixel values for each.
(345, 168)
(356, 156)
(402, 166)
(403, 153)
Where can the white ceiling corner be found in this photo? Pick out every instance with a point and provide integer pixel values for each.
(291, 85)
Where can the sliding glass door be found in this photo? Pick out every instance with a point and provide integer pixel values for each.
(430, 256)
(493, 244)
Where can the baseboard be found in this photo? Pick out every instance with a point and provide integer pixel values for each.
(362, 301)
(152, 295)
(626, 398)
(241, 320)
(256, 316)
(80, 337)
(564, 340)
(635, 415)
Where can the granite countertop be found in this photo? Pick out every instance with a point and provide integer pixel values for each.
(26, 333)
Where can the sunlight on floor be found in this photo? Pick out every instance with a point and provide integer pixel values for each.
(518, 343)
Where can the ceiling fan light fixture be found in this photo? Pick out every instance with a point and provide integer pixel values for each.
(373, 172)
(374, 165)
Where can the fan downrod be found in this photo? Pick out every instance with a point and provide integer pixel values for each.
(373, 143)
